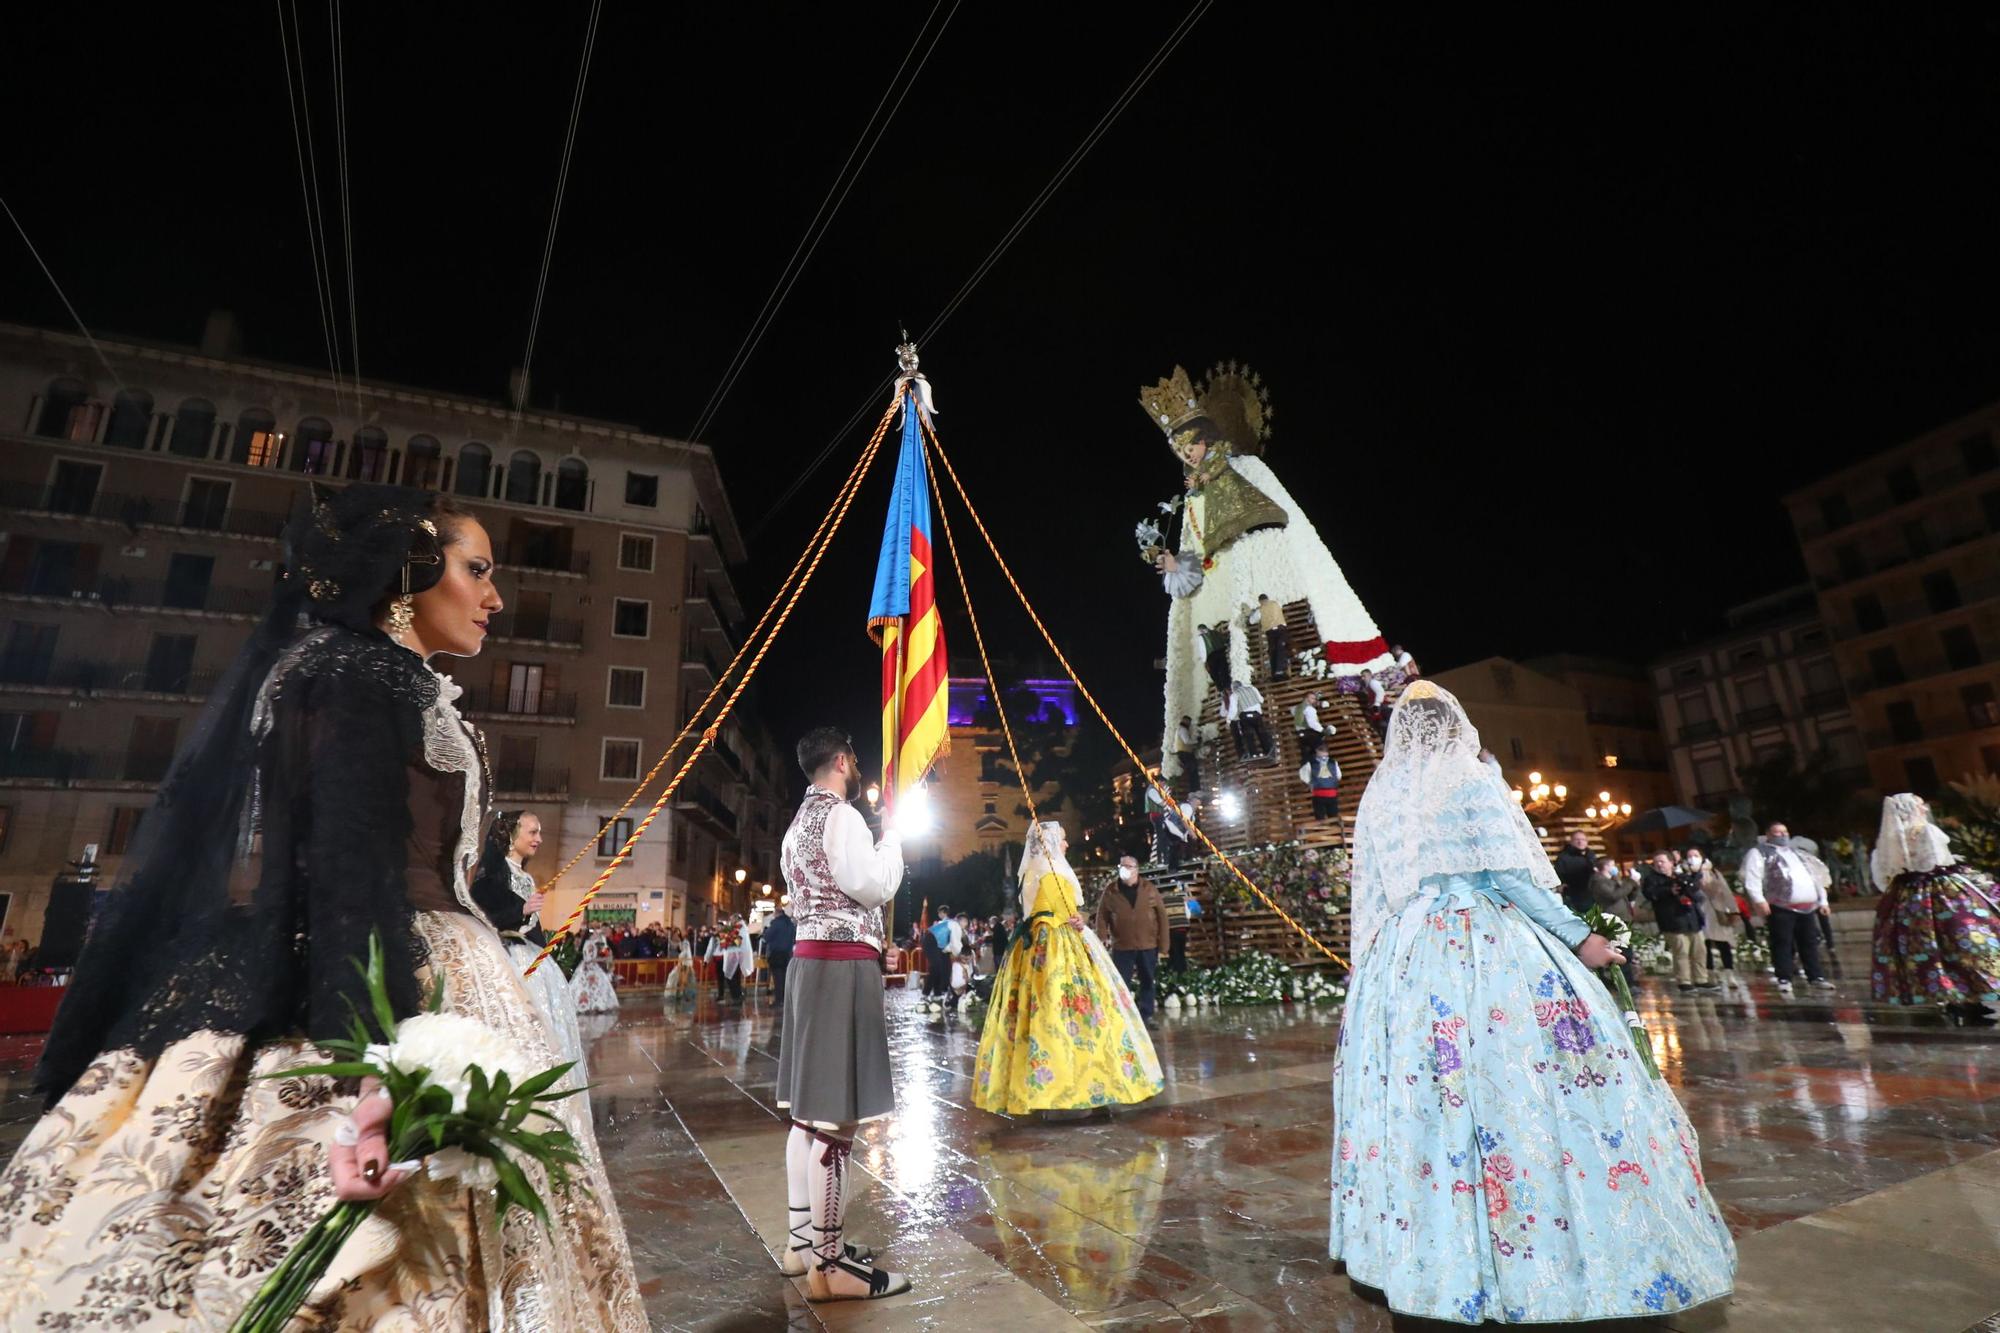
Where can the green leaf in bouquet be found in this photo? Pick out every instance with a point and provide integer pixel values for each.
(514, 1188)
(436, 1004)
(478, 1096)
(544, 1080)
(375, 976)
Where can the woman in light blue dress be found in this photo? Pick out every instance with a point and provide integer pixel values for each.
(1500, 1152)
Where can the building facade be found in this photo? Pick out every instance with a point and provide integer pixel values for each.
(976, 797)
(1904, 555)
(1768, 685)
(140, 506)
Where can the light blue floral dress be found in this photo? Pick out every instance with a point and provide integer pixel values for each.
(1499, 1150)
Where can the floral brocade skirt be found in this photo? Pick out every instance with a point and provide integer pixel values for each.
(1062, 1032)
(1937, 939)
(160, 1195)
(1500, 1151)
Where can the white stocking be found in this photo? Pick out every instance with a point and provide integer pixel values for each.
(799, 1214)
(826, 1177)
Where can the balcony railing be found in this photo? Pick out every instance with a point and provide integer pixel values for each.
(41, 765)
(87, 677)
(700, 800)
(549, 562)
(1758, 716)
(135, 511)
(536, 629)
(530, 781)
(519, 703)
(149, 594)
(1700, 731)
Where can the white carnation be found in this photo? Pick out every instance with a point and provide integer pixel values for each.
(473, 1171)
(448, 1046)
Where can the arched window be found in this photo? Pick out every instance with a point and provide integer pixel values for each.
(421, 462)
(194, 428)
(524, 478)
(312, 451)
(131, 419)
(62, 403)
(255, 443)
(475, 466)
(369, 459)
(573, 484)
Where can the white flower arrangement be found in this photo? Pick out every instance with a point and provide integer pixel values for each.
(1249, 978)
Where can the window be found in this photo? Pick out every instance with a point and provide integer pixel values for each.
(573, 484)
(62, 404)
(1885, 667)
(1851, 565)
(621, 760)
(1980, 708)
(1694, 710)
(992, 807)
(642, 489)
(124, 827)
(611, 835)
(1754, 653)
(31, 652)
(524, 478)
(1941, 591)
(1868, 615)
(256, 441)
(1978, 453)
(207, 503)
(1961, 650)
(475, 470)
(369, 460)
(631, 618)
(1903, 724)
(151, 749)
(313, 452)
(1821, 676)
(131, 419)
(1989, 504)
(1844, 748)
(1688, 671)
(6, 823)
(187, 581)
(627, 688)
(516, 769)
(1917, 537)
(541, 546)
(74, 488)
(525, 690)
(1988, 755)
(682, 848)
(1920, 774)
(44, 568)
(1902, 482)
(1712, 776)
(1514, 748)
(1753, 693)
(531, 615)
(170, 664)
(635, 552)
(1833, 511)
(194, 429)
(422, 462)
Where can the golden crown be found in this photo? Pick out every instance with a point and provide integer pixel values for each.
(1172, 402)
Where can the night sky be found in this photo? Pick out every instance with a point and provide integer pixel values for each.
(1552, 312)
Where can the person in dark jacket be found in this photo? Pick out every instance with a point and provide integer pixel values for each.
(779, 934)
(1132, 922)
(1677, 899)
(1574, 865)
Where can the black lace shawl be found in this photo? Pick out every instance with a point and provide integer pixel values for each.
(213, 930)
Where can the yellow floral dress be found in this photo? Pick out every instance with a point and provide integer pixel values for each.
(1063, 1033)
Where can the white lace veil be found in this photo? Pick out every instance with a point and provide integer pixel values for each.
(1432, 808)
(1043, 857)
(1908, 841)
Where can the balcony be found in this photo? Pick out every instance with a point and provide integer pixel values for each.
(1899, 614)
(527, 783)
(515, 627)
(86, 677)
(137, 511)
(537, 559)
(112, 593)
(1813, 526)
(519, 705)
(706, 808)
(1825, 701)
(1758, 716)
(41, 765)
(1700, 731)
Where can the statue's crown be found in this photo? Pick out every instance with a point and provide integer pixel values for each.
(1172, 402)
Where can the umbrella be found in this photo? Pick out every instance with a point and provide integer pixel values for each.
(1665, 819)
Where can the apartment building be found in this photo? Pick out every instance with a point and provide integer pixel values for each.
(1770, 683)
(1901, 550)
(141, 497)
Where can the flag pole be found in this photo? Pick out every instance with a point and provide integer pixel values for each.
(892, 769)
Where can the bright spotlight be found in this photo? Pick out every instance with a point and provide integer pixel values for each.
(1228, 806)
(913, 816)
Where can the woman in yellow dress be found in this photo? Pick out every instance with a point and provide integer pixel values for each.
(1063, 1033)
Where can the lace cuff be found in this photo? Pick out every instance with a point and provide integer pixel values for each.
(1186, 580)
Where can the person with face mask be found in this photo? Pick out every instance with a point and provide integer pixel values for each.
(833, 1050)
(1723, 929)
(1781, 886)
(1132, 917)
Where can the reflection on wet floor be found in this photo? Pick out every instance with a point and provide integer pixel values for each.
(1834, 1132)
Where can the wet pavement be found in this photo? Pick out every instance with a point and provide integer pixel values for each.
(1852, 1147)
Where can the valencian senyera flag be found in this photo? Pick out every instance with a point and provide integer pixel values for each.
(903, 618)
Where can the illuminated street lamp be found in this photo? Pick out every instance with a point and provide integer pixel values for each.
(1541, 799)
(1608, 813)
(874, 795)
(765, 890)
(741, 874)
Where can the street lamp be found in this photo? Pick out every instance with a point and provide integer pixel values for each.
(766, 890)
(741, 874)
(1541, 799)
(874, 794)
(1608, 812)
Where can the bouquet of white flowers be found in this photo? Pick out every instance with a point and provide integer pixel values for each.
(1619, 934)
(461, 1099)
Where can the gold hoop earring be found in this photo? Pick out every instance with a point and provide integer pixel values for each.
(402, 615)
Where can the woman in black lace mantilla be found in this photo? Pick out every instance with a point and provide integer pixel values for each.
(330, 791)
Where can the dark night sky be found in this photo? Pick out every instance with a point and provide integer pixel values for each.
(1551, 314)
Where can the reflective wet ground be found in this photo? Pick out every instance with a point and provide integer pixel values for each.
(1852, 1146)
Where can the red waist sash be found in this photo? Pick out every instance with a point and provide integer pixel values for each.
(836, 951)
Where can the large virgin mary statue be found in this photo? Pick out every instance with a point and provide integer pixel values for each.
(1243, 535)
